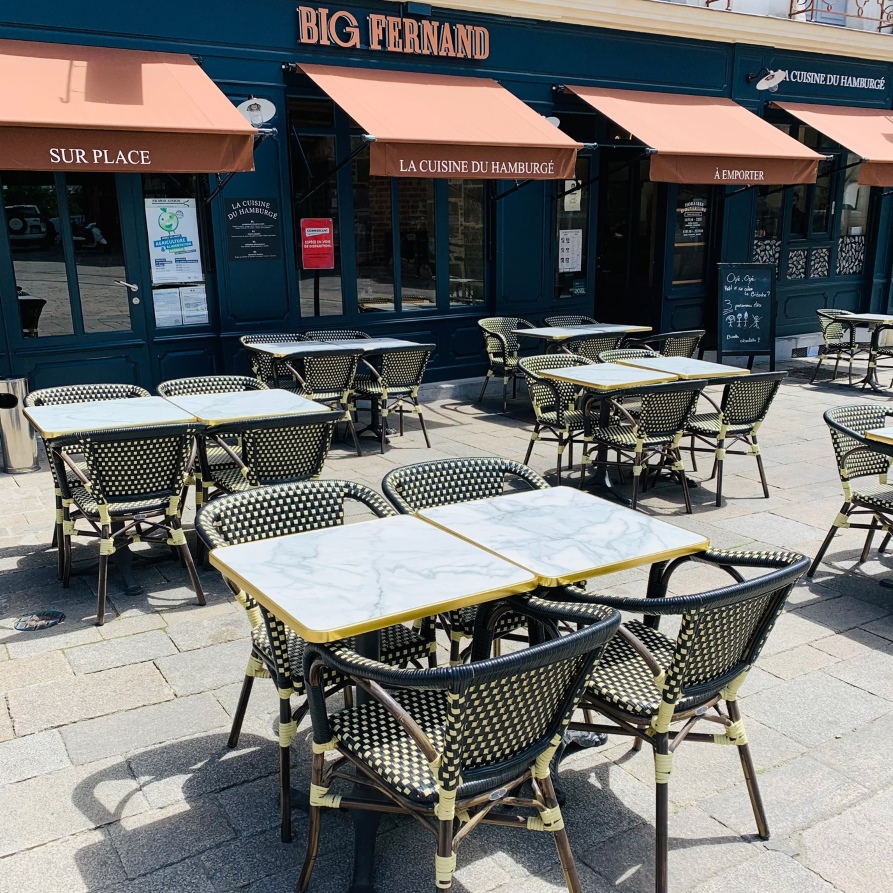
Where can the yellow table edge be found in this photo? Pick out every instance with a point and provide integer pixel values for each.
(334, 635)
(879, 435)
(51, 435)
(608, 326)
(664, 555)
(213, 423)
(662, 378)
(642, 363)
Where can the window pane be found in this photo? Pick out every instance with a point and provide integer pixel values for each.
(99, 251)
(645, 243)
(573, 234)
(821, 202)
(853, 222)
(32, 223)
(313, 165)
(799, 200)
(466, 216)
(374, 236)
(416, 203)
(690, 252)
(767, 235)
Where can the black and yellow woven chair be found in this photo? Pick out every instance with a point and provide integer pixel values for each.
(626, 353)
(742, 409)
(131, 492)
(670, 344)
(75, 393)
(265, 369)
(656, 432)
(839, 339)
(592, 347)
(564, 321)
(277, 652)
(656, 688)
(452, 746)
(336, 335)
(450, 481)
(396, 380)
(501, 344)
(554, 405)
(858, 460)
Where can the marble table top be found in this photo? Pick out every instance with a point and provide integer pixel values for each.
(563, 333)
(608, 376)
(563, 535)
(685, 367)
(872, 318)
(343, 581)
(105, 415)
(380, 345)
(282, 349)
(217, 409)
(882, 435)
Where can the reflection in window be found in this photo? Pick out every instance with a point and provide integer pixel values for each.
(690, 243)
(573, 233)
(99, 252)
(466, 216)
(32, 225)
(645, 244)
(374, 236)
(768, 232)
(416, 215)
(853, 222)
(313, 166)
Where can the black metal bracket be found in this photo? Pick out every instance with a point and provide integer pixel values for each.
(221, 181)
(366, 141)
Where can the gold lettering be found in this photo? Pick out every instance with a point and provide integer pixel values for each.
(376, 30)
(464, 37)
(395, 44)
(481, 43)
(323, 27)
(309, 32)
(351, 30)
(411, 36)
(429, 37)
(446, 41)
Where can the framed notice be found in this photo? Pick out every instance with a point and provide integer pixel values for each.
(570, 250)
(253, 229)
(168, 311)
(174, 251)
(317, 243)
(194, 305)
(747, 312)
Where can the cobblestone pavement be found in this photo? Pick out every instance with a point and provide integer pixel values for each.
(114, 774)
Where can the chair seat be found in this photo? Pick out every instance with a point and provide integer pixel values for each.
(366, 387)
(623, 436)
(399, 645)
(708, 425)
(462, 621)
(573, 419)
(623, 679)
(84, 500)
(218, 456)
(230, 479)
(879, 496)
(320, 396)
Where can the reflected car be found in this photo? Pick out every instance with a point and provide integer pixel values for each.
(26, 226)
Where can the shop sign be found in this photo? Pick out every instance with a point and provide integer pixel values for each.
(98, 157)
(172, 226)
(253, 229)
(317, 243)
(693, 214)
(830, 79)
(392, 34)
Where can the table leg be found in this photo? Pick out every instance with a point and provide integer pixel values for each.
(122, 559)
(870, 379)
(600, 478)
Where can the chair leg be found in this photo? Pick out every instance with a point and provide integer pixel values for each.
(400, 413)
(505, 391)
(103, 572)
(285, 736)
(558, 460)
(186, 556)
(445, 864)
(720, 452)
(316, 778)
(562, 844)
(637, 473)
(815, 371)
(845, 510)
(760, 468)
(836, 364)
(487, 378)
(869, 537)
(750, 777)
(348, 419)
(661, 818)
(384, 423)
(533, 439)
(241, 707)
(422, 423)
(885, 542)
(691, 449)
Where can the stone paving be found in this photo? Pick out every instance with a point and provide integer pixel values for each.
(114, 774)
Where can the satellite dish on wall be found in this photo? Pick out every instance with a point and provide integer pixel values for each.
(771, 81)
(257, 111)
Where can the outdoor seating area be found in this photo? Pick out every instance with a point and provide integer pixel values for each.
(451, 634)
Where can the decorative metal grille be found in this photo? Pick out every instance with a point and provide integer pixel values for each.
(850, 255)
(797, 263)
(819, 263)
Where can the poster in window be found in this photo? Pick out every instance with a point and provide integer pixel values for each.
(253, 229)
(174, 251)
(317, 243)
(166, 302)
(573, 195)
(570, 250)
(194, 303)
(691, 221)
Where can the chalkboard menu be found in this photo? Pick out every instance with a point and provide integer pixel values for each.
(747, 311)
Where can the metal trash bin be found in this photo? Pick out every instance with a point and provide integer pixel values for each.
(16, 434)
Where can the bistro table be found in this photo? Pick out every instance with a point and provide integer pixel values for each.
(219, 409)
(358, 579)
(686, 368)
(878, 323)
(555, 336)
(883, 437)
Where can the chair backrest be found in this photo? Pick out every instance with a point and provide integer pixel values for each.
(404, 368)
(834, 332)
(449, 481)
(133, 464)
(593, 347)
(548, 395)
(857, 456)
(83, 393)
(667, 408)
(326, 374)
(746, 399)
(499, 331)
(209, 384)
(335, 335)
(561, 321)
(681, 344)
(280, 510)
(626, 353)
(262, 364)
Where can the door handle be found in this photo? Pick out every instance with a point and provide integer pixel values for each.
(129, 285)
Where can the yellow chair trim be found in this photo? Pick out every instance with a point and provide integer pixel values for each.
(445, 808)
(320, 796)
(730, 692)
(256, 668)
(177, 537)
(106, 547)
(287, 732)
(735, 734)
(663, 766)
(444, 867)
(331, 744)
(540, 768)
(549, 819)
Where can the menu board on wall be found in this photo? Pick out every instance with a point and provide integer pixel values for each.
(253, 229)
(747, 311)
(570, 250)
(174, 252)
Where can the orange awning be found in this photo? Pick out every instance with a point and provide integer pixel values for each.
(705, 139)
(431, 125)
(867, 133)
(75, 108)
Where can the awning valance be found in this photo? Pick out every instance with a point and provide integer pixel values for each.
(77, 108)
(867, 133)
(705, 139)
(428, 125)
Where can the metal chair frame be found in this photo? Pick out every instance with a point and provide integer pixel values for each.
(840, 341)
(502, 348)
(563, 321)
(670, 344)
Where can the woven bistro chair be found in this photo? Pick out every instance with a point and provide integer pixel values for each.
(670, 344)
(131, 492)
(453, 742)
(554, 405)
(858, 461)
(742, 409)
(839, 339)
(276, 651)
(396, 380)
(447, 482)
(75, 393)
(501, 344)
(626, 353)
(657, 688)
(263, 366)
(563, 321)
(592, 347)
(335, 335)
(666, 410)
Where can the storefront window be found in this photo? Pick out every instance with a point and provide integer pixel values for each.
(374, 234)
(573, 233)
(853, 222)
(35, 237)
(770, 219)
(466, 216)
(417, 240)
(690, 243)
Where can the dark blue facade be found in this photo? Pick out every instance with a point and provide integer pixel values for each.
(243, 48)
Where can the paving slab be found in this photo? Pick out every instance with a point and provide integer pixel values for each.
(863, 754)
(30, 670)
(185, 877)
(130, 624)
(206, 631)
(797, 661)
(120, 651)
(6, 731)
(768, 873)
(32, 755)
(194, 671)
